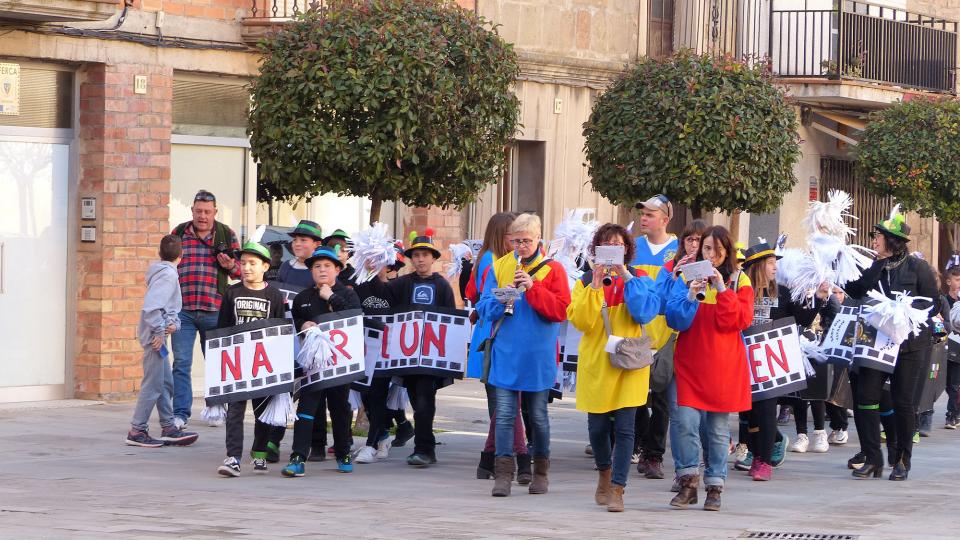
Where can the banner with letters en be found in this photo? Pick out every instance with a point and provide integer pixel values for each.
(421, 340)
(248, 361)
(344, 329)
(775, 359)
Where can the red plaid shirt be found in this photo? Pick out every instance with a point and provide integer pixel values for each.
(198, 271)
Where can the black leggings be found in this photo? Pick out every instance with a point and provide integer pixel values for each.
(838, 416)
(310, 407)
(375, 402)
(763, 429)
(800, 414)
(903, 384)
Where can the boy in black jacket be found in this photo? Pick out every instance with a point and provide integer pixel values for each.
(250, 300)
(424, 287)
(328, 296)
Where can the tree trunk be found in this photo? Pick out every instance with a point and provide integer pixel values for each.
(696, 211)
(376, 202)
(735, 226)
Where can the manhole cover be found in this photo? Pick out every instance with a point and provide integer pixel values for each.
(775, 535)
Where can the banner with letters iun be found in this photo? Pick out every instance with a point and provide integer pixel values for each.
(418, 340)
(248, 361)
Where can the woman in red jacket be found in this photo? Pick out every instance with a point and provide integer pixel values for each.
(710, 364)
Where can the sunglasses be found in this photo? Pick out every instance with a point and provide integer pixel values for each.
(204, 196)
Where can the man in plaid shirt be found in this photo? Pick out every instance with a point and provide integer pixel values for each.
(205, 269)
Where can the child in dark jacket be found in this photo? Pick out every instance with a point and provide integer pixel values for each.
(250, 300)
(329, 295)
(158, 319)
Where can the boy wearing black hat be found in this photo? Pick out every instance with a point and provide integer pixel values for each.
(250, 300)
(326, 296)
(423, 287)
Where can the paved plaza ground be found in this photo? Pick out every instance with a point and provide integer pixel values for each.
(67, 474)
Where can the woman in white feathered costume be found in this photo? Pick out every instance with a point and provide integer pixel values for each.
(894, 274)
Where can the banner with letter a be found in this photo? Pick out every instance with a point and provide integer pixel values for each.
(775, 359)
(248, 361)
(344, 330)
(421, 340)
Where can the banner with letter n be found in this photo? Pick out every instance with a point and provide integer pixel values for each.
(873, 349)
(422, 340)
(248, 361)
(840, 339)
(569, 346)
(775, 359)
(344, 329)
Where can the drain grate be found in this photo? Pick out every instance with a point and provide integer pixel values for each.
(775, 535)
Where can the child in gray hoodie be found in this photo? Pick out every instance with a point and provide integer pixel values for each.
(161, 307)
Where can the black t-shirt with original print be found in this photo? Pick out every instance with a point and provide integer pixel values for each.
(242, 305)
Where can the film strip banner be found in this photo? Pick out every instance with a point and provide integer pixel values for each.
(775, 359)
(248, 361)
(345, 331)
(421, 340)
(840, 339)
(569, 346)
(874, 349)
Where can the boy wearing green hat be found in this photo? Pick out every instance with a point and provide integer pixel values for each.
(306, 237)
(250, 300)
(425, 287)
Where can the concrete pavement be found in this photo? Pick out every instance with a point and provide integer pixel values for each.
(66, 473)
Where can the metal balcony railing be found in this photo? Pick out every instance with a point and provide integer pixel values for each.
(836, 39)
(277, 10)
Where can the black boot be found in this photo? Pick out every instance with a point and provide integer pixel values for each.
(485, 468)
(524, 473)
(857, 461)
(899, 472)
(869, 470)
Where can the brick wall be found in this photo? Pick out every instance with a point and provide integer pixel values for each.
(229, 10)
(124, 163)
(447, 225)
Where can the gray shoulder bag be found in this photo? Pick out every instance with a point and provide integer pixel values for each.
(631, 353)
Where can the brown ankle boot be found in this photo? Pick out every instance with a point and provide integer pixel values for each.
(688, 491)
(541, 466)
(502, 476)
(603, 487)
(712, 501)
(616, 499)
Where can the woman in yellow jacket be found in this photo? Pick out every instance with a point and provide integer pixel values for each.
(605, 392)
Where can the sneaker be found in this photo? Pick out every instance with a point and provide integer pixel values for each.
(753, 468)
(784, 417)
(317, 453)
(260, 465)
(142, 439)
(420, 460)
(779, 452)
(588, 450)
(177, 437)
(820, 444)
(367, 454)
(800, 445)
(345, 465)
(857, 461)
(403, 435)
(635, 458)
(230, 468)
(763, 472)
(740, 452)
(838, 437)
(956, 423)
(951, 423)
(273, 452)
(383, 448)
(295, 468)
(744, 464)
(916, 437)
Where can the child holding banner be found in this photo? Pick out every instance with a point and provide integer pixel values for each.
(423, 287)
(773, 302)
(326, 296)
(250, 300)
(158, 319)
(712, 379)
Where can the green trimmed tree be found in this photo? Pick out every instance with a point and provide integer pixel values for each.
(712, 133)
(911, 151)
(403, 100)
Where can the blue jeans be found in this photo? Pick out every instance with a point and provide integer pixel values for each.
(687, 426)
(536, 403)
(598, 426)
(191, 322)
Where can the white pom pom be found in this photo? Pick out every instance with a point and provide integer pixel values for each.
(315, 350)
(896, 317)
(354, 399)
(574, 236)
(812, 350)
(397, 399)
(828, 217)
(214, 413)
(458, 252)
(278, 410)
(372, 252)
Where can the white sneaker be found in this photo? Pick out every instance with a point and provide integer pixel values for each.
(820, 444)
(635, 458)
(800, 445)
(740, 452)
(838, 437)
(383, 448)
(367, 454)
